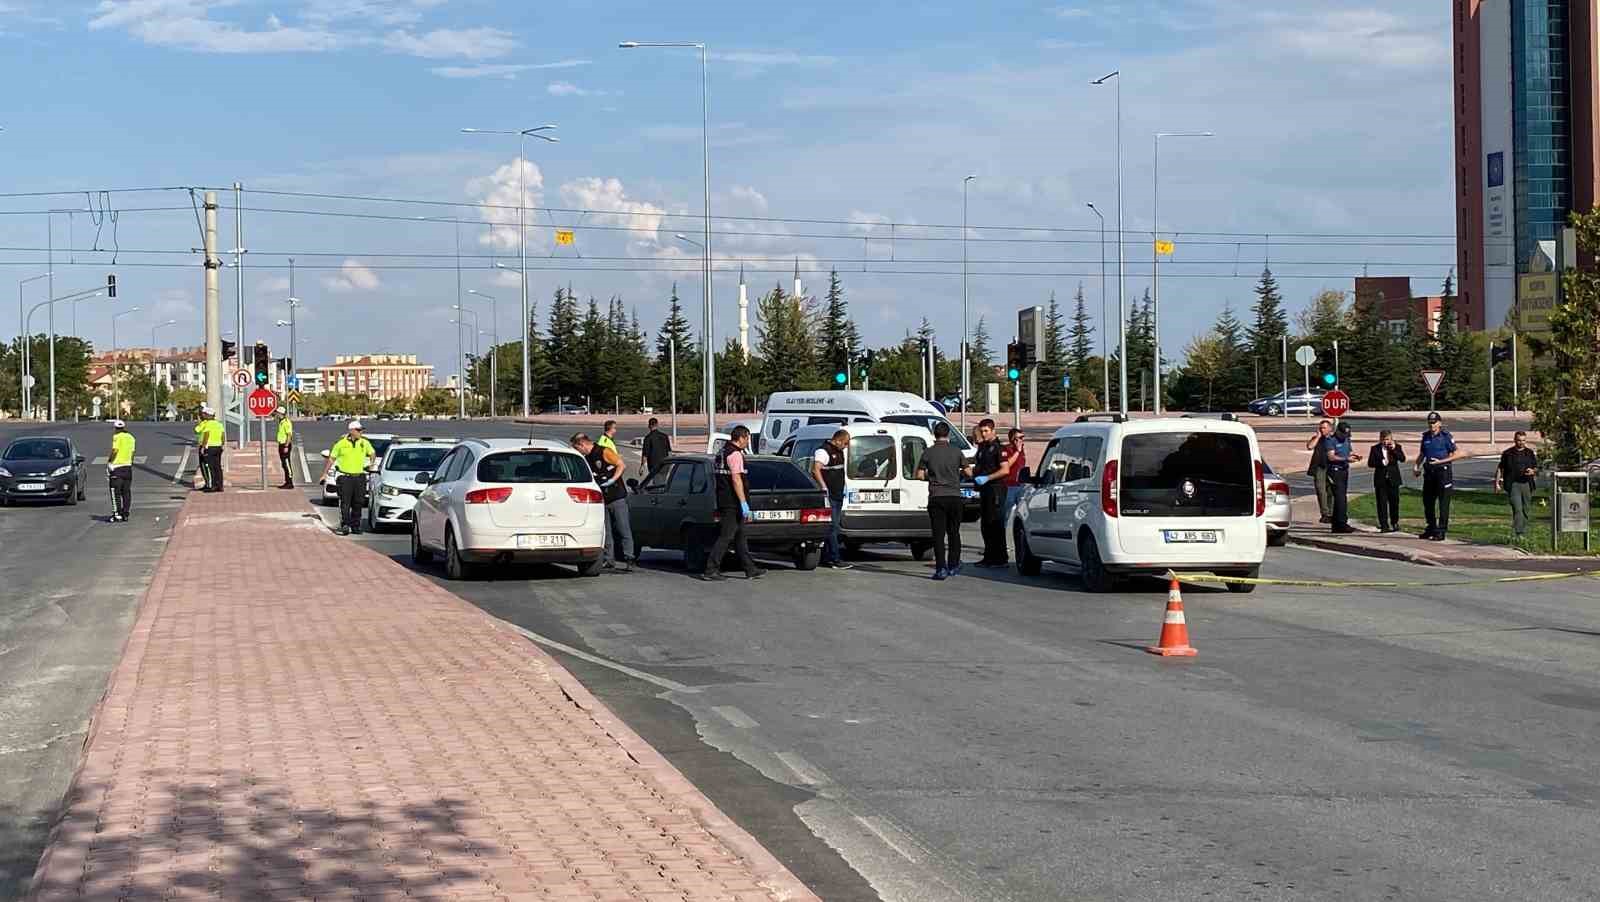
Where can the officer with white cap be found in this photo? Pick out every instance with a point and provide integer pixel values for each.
(119, 471)
(350, 455)
(209, 439)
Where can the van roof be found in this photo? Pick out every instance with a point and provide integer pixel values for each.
(1158, 424)
(826, 430)
(867, 403)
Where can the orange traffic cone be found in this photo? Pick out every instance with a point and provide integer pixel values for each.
(1174, 629)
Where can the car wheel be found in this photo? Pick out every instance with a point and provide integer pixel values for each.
(1277, 538)
(419, 552)
(695, 548)
(1273, 410)
(371, 518)
(1245, 588)
(592, 568)
(72, 497)
(919, 550)
(1092, 569)
(454, 567)
(807, 557)
(1028, 564)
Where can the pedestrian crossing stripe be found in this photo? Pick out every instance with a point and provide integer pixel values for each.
(100, 461)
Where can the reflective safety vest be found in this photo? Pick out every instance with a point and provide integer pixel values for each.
(606, 475)
(722, 474)
(833, 470)
(121, 450)
(285, 431)
(350, 458)
(210, 433)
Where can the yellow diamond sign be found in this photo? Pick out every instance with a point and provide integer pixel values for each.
(1164, 248)
(564, 236)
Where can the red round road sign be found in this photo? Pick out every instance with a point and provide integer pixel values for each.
(263, 403)
(1334, 404)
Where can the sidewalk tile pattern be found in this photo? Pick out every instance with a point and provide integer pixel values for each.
(348, 730)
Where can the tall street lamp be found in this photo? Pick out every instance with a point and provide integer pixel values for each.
(27, 324)
(966, 317)
(523, 135)
(461, 356)
(494, 353)
(1122, 312)
(155, 413)
(708, 359)
(22, 372)
(1155, 255)
(116, 367)
(1105, 358)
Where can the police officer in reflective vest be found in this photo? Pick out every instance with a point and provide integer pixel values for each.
(733, 507)
(350, 455)
(608, 472)
(827, 468)
(1438, 480)
(119, 471)
(285, 445)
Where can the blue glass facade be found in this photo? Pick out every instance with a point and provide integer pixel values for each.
(1541, 123)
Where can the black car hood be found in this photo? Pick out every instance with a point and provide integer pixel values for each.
(34, 466)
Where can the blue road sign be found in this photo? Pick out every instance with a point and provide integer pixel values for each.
(292, 381)
(1066, 381)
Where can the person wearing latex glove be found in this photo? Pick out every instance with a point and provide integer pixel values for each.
(979, 480)
(744, 509)
(733, 503)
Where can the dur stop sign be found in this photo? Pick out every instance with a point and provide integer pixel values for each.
(1335, 403)
(263, 403)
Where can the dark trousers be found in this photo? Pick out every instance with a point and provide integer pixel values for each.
(731, 535)
(1388, 496)
(1438, 483)
(1339, 495)
(283, 461)
(833, 551)
(992, 500)
(945, 515)
(351, 488)
(211, 467)
(121, 491)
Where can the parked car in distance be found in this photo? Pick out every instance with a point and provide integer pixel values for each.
(393, 489)
(42, 468)
(1280, 511)
(675, 508)
(1297, 401)
(505, 501)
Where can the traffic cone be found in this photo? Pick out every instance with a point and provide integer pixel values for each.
(1174, 640)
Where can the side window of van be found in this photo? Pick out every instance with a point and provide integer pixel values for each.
(813, 421)
(1052, 465)
(911, 449)
(1087, 461)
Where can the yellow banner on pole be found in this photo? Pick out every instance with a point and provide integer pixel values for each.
(1164, 247)
(564, 236)
(1536, 297)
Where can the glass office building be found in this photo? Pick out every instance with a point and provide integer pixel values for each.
(1540, 124)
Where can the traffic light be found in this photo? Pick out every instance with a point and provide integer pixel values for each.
(263, 364)
(1329, 380)
(1500, 352)
(228, 349)
(841, 373)
(1016, 359)
(866, 365)
(111, 286)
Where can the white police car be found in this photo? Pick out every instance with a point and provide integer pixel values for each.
(392, 488)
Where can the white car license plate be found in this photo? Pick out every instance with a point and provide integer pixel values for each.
(30, 486)
(873, 497)
(541, 541)
(1204, 536)
(777, 515)
(969, 494)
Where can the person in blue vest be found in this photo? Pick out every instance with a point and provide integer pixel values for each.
(1339, 457)
(1433, 464)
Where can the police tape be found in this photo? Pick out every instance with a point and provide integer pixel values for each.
(1208, 578)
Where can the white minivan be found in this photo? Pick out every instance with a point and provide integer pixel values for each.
(787, 411)
(883, 501)
(1112, 498)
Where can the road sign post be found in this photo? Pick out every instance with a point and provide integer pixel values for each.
(1335, 404)
(263, 404)
(1305, 355)
(1433, 379)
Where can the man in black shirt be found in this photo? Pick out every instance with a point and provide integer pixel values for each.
(657, 448)
(1519, 467)
(990, 468)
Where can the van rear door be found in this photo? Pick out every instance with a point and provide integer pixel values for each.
(1188, 496)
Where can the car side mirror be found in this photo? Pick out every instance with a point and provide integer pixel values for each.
(633, 486)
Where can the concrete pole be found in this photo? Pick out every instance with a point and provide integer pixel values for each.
(213, 310)
(672, 378)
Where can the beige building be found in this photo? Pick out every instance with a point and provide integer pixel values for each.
(377, 376)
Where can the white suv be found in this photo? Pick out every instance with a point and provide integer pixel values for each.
(1111, 498)
(505, 500)
(392, 489)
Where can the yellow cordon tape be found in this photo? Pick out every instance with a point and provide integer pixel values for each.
(1204, 578)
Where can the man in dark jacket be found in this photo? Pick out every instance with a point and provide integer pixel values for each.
(656, 449)
(1516, 474)
(1385, 460)
(1318, 470)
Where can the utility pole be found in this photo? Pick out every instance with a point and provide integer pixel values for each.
(672, 378)
(213, 313)
(238, 273)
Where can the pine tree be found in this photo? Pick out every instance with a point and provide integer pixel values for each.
(562, 345)
(1265, 335)
(676, 334)
(838, 337)
(980, 356)
(1567, 409)
(1080, 350)
(1235, 387)
(787, 350)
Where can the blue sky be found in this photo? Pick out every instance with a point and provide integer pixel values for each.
(1327, 120)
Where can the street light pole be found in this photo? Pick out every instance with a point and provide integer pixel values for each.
(27, 324)
(1155, 254)
(461, 379)
(1105, 357)
(708, 342)
(494, 353)
(1122, 311)
(116, 367)
(155, 413)
(22, 341)
(966, 317)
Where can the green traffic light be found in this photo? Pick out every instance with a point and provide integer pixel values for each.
(840, 378)
(1013, 374)
(1327, 379)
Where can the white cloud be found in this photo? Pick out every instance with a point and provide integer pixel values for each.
(497, 193)
(749, 197)
(445, 43)
(763, 59)
(352, 276)
(641, 219)
(502, 70)
(380, 12)
(1078, 12)
(1363, 37)
(186, 24)
(274, 285)
(568, 89)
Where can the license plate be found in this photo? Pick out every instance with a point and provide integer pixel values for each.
(872, 497)
(1206, 536)
(541, 541)
(30, 486)
(969, 494)
(777, 515)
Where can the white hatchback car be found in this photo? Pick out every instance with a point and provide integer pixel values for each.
(505, 500)
(1111, 497)
(392, 489)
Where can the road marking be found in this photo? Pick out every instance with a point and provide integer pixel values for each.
(140, 459)
(177, 476)
(652, 654)
(594, 610)
(808, 774)
(621, 629)
(736, 717)
(663, 682)
(305, 469)
(169, 460)
(892, 837)
(99, 461)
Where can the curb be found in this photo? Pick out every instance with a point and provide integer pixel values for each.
(1407, 557)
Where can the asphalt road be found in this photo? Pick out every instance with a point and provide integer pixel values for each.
(72, 583)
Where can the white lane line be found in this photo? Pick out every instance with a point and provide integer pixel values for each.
(621, 629)
(663, 682)
(736, 717)
(892, 837)
(99, 461)
(169, 460)
(805, 770)
(140, 459)
(183, 464)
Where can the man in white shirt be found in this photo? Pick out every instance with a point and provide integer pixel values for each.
(827, 468)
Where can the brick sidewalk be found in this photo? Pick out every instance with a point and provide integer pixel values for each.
(352, 731)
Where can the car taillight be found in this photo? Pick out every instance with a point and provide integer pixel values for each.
(1280, 489)
(816, 515)
(585, 496)
(496, 495)
(1108, 488)
(1261, 489)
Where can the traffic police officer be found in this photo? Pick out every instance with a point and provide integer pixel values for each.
(285, 444)
(350, 454)
(209, 438)
(119, 467)
(1438, 483)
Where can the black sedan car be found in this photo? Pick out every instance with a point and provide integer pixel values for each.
(42, 468)
(676, 508)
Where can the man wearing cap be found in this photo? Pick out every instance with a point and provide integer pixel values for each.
(1438, 479)
(285, 445)
(350, 455)
(119, 466)
(209, 438)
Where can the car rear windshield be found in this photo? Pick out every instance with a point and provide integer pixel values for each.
(1187, 474)
(416, 460)
(379, 445)
(534, 466)
(926, 421)
(777, 476)
(37, 450)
